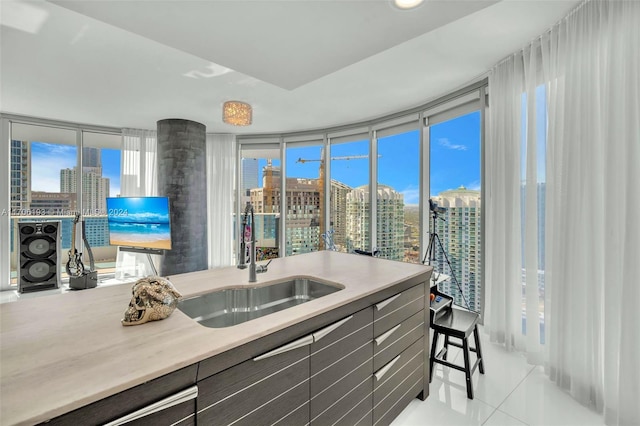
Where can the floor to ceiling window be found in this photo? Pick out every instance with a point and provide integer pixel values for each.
(456, 215)
(349, 216)
(433, 154)
(260, 185)
(42, 158)
(533, 190)
(304, 189)
(48, 186)
(101, 164)
(398, 198)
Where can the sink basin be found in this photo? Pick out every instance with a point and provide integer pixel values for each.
(224, 308)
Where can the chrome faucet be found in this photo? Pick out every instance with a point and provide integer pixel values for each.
(253, 270)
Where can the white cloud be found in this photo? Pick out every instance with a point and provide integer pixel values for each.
(447, 144)
(475, 185)
(411, 195)
(46, 162)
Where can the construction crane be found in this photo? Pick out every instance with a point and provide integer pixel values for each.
(345, 157)
(321, 183)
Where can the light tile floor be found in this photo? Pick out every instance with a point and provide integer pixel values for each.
(511, 392)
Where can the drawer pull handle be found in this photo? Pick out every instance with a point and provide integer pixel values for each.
(380, 306)
(381, 338)
(386, 368)
(322, 333)
(179, 398)
(304, 341)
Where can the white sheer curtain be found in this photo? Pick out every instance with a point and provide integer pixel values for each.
(221, 166)
(139, 163)
(590, 206)
(138, 173)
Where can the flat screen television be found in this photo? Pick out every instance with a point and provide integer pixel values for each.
(139, 222)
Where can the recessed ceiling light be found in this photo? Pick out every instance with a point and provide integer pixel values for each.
(407, 4)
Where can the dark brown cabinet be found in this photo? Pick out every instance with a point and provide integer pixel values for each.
(267, 389)
(169, 399)
(399, 353)
(341, 371)
(361, 369)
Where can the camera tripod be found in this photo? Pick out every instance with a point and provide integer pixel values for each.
(430, 255)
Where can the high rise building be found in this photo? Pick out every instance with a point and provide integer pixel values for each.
(390, 221)
(303, 209)
(458, 229)
(249, 175)
(68, 180)
(95, 189)
(20, 177)
(338, 216)
(91, 160)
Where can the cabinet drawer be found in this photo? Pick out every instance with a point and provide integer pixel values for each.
(396, 400)
(242, 375)
(290, 408)
(383, 416)
(131, 400)
(392, 311)
(328, 336)
(270, 388)
(328, 355)
(395, 371)
(330, 385)
(345, 405)
(389, 344)
(299, 416)
(360, 415)
(179, 415)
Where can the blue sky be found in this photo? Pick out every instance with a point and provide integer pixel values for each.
(455, 159)
(455, 154)
(47, 159)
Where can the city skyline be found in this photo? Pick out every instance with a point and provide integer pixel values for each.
(455, 160)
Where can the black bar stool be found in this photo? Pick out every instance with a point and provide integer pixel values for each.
(460, 324)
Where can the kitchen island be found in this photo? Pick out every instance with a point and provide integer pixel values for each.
(64, 352)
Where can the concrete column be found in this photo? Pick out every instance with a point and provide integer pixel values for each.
(182, 176)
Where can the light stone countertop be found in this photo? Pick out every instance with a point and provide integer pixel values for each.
(61, 352)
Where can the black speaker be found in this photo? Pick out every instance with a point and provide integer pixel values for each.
(39, 266)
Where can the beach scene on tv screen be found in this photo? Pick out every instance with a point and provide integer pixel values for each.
(139, 222)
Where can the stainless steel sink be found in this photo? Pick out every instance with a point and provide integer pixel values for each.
(224, 308)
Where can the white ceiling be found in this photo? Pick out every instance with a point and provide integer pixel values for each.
(302, 64)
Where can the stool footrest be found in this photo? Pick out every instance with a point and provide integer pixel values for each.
(457, 345)
(448, 364)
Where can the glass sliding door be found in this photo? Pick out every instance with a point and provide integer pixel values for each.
(455, 190)
(398, 198)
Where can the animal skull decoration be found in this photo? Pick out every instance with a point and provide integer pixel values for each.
(154, 298)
